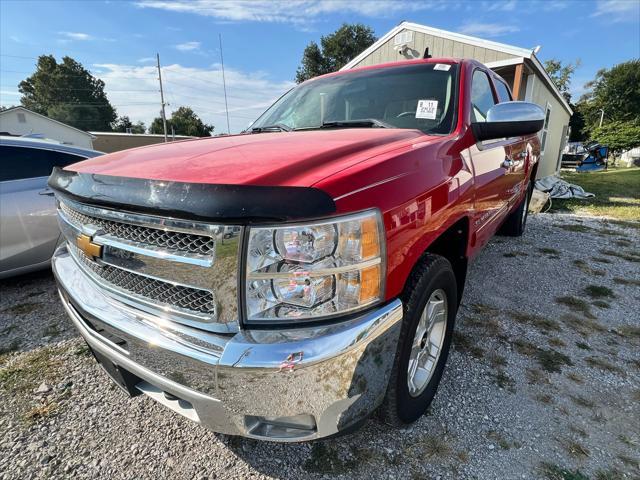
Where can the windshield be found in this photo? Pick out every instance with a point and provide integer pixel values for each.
(413, 96)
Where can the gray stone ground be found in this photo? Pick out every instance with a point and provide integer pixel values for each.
(543, 382)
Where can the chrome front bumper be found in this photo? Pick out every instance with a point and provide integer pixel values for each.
(281, 385)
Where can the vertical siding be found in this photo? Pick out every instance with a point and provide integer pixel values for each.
(438, 47)
(557, 120)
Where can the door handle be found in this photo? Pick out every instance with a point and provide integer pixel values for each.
(47, 191)
(507, 163)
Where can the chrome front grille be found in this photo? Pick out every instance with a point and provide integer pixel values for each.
(187, 298)
(170, 240)
(178, 270)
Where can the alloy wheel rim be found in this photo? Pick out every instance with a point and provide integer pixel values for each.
(427, 343)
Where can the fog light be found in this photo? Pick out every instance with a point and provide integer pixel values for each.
(298, 426)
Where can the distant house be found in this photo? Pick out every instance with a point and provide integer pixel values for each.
(520, 67)
(115, 141)
(19, 121)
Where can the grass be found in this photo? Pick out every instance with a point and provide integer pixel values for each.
(504, 381)
(601, 260)
(576, 228)
(515, 254)
(627, 281)
(541, 323)
(576, 449)
(499, 439)
(630, 331)
(574, 377)
(551, 360)
(629, 461)
(583, 326)
(22, 308)
(582, 401)
(584, 267)
(12, 347)
(327, 460)
(616, 194)
(576, 304)
(628, 256)
(40, 411)
(26, 372)
(599, 291)
(524, 347)
(602, 364)
(464, 343)
(583, 346)
(554, 472)
(535, 376)
(545, 398)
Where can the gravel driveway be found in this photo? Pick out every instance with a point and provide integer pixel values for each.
(543, 382)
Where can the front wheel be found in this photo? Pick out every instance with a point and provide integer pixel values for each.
(430, 306)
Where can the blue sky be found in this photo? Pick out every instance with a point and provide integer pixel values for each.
(263, 42)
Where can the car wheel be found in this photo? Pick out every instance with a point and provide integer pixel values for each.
(516, 222)
(430, 306)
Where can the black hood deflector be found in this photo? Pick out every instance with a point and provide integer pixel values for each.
(227, 204)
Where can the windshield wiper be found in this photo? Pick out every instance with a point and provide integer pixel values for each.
(359, 123)
(276, 127)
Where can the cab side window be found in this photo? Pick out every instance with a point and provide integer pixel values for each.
(24, 162)
(481, 96)
(503, 91)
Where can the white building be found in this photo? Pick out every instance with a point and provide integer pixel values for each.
(20, 121)
(520, 67)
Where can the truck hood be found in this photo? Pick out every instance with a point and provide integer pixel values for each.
(269, 159)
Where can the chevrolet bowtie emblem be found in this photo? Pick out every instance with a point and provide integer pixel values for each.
(90, 249)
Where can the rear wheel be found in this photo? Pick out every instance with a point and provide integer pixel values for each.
(430, 306)
(516, 222)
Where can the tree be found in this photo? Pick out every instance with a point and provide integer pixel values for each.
(561, 75)
(124, 124)
(617, 135)
(617, 91)
(67, 92)
(185, 122)
(338, 48)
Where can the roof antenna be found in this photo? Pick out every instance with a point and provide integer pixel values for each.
(426, 53)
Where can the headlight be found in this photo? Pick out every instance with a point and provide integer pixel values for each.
(315, 270)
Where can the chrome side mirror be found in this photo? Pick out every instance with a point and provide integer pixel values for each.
(509, 119)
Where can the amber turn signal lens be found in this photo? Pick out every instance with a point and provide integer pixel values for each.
(369, 241)
(369, 283)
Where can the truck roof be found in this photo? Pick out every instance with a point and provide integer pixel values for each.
(399, 63)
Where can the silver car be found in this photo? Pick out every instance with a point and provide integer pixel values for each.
(28, 227)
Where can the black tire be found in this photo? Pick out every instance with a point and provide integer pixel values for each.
(516, 222)
(433, 273)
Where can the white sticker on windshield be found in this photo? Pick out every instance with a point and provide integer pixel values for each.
(427, 109)
(442, 66)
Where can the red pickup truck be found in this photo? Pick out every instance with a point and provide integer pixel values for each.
(285, 283)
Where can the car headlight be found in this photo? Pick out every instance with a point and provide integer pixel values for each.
(314, 270)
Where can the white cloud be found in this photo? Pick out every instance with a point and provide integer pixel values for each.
(147, 60)
(615, 11)
(76, 35)
(188, 46)
(487, 30)
(499, 6)
(134, 91)
(298, 12)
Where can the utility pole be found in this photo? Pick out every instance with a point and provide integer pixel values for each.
(601, 116)
(224, 84)
(164, 117)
